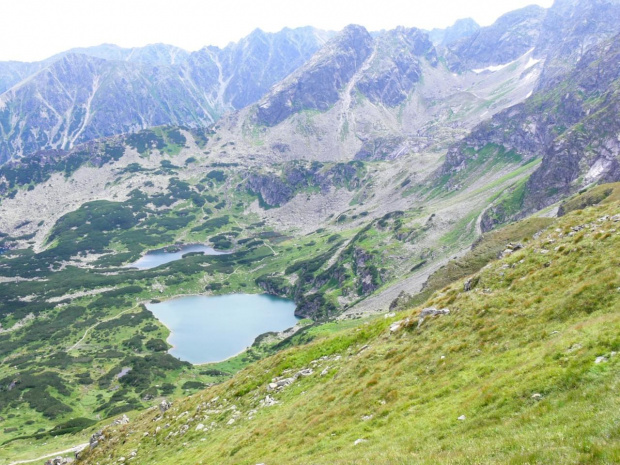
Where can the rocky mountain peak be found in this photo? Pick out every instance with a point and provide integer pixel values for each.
(316, 85)
(94, 92)
(155, 54)
(571, 27)
(511, 36)
(396, 65)
(460, 29)
(252, 65)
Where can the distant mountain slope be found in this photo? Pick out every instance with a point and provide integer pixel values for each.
(573, 126)
(460, 29)
(155, 54)
(372, 97)
(12, 72)
(570, 29)
(95, 92)
(80, 98)
(512, 35)
(316, 85)
(251, 66)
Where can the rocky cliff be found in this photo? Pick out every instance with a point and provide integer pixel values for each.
(316, 85)
(570, 29)
(396, 65)
(508, 38)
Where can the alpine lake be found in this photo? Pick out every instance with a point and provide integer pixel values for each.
(214, 328)
(160, 257)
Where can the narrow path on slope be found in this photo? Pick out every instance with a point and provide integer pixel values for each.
(74, 346)
(77, 448)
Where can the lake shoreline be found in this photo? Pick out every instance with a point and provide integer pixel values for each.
(215, 326)
(158, 257)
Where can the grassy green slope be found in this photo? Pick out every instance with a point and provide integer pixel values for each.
(486, 248)
(527, 357)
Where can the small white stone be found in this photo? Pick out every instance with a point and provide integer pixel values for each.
(461, 418)
(359, 441)
(395, 326)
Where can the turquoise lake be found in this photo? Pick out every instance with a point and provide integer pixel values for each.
(214, 328)
(159, 257)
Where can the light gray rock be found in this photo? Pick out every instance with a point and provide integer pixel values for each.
(164, 406)
(431, 311)
(95, 439)
(268, 401)
(121, 421)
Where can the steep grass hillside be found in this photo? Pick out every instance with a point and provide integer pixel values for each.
(523, 369)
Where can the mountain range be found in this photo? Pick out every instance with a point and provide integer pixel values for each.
(441, 206)
(88, 93)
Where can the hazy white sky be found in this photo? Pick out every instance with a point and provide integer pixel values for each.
(35, 29)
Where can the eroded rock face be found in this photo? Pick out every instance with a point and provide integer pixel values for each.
(380, 148)
(316, 85)
(511, 36)
(570, 28)
(276, 190)
(366, 274)
(396, 65)
(273, 191)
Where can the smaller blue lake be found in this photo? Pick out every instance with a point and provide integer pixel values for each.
(213, 328)
(159, 257)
